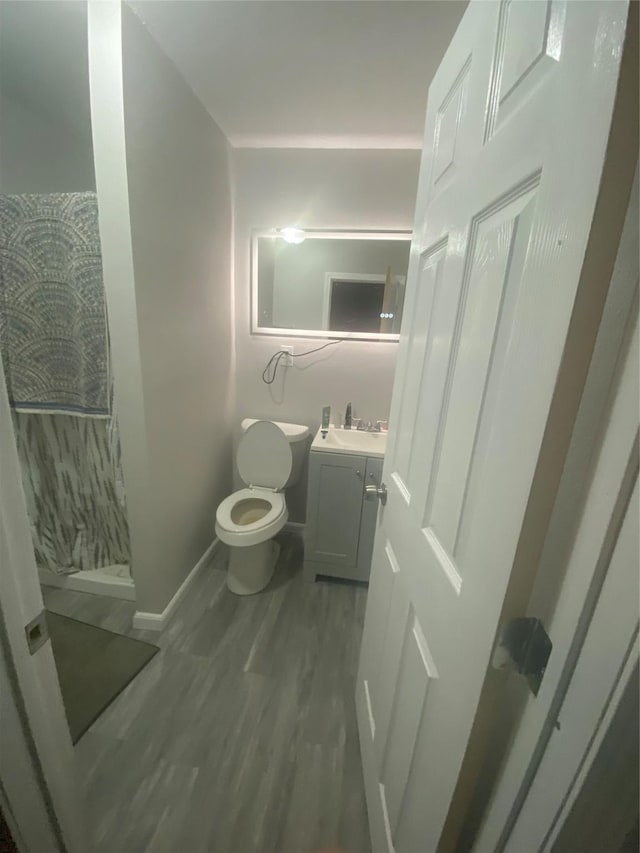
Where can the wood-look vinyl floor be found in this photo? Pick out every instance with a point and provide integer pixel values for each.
(240, 735)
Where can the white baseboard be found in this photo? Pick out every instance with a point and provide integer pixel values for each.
(294, 527)
(93, 582)
(146, 621)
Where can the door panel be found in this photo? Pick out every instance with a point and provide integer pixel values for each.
(389, 661)
(497, 248)
(434, 298)
(379, 608)
(415, 674)
(502, 220)
(528, 46)
(449, 123)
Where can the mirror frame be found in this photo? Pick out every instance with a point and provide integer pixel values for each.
(316, 234)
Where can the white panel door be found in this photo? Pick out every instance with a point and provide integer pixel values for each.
(515, 140)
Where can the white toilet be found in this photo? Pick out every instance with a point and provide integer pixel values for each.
(270, 456)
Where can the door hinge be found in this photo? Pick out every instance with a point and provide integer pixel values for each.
(37, 632)
(525, 647)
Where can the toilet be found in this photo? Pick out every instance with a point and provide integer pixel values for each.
(269, 458)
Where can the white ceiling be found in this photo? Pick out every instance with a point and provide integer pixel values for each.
(308, 73)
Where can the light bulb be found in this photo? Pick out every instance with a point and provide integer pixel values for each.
(292, 234)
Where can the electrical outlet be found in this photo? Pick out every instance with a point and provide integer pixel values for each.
(287, 361)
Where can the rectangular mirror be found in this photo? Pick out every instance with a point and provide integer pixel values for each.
(347, 284)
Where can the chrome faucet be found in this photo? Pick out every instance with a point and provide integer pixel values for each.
(369, 427)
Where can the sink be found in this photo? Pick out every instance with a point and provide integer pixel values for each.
(351, 441)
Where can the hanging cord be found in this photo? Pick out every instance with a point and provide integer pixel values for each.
(272, 365)
(271, 368)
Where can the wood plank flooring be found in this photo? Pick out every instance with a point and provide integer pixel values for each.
(240, 735)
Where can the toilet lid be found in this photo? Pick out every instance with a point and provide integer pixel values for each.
(264, 456)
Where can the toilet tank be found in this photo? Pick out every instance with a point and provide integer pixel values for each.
(297, 436)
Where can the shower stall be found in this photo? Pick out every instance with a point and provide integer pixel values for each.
(54, 337)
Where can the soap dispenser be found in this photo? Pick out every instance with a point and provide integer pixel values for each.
(347, 417)
(326, 420)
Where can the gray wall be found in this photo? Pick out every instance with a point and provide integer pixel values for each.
(180, 208)
(162, 173)
(38, 155)
(45, 123)
(315, 189)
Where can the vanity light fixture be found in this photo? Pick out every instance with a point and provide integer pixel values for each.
(292, 234)
(386, 316)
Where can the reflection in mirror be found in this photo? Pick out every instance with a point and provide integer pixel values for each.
(350, 284)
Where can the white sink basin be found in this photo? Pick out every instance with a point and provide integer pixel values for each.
(351, 441)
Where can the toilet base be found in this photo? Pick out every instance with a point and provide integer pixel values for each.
(251, 568)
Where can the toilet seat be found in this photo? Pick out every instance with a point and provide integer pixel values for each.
(233, 533)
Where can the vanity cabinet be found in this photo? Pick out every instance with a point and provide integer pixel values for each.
(340, 527)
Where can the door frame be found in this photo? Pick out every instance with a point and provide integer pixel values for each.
(583, 630)
(25, 804)
(594, 427)
(331, 277)
(39, 789)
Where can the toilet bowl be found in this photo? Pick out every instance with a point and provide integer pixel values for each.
(269, 458)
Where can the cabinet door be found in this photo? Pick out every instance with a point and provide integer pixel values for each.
(373, 477)
(336, 484)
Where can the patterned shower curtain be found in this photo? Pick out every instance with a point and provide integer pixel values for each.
(53, 331)
(74, 489)
(54, 347)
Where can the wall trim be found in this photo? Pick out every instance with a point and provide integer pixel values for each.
(93, 582)
(146, 621)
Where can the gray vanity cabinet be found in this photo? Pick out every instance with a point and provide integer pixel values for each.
(340, 527)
